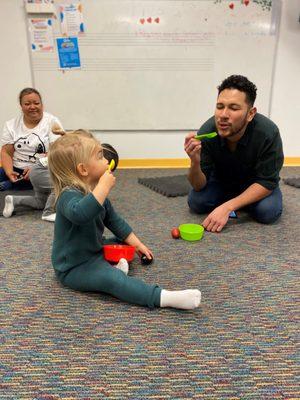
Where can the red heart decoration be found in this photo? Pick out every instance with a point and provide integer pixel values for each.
(231, 5)
(149, 20)
(246, 2)
(157, 20)
(142, 20)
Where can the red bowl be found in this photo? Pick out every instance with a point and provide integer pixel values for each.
(114, 252)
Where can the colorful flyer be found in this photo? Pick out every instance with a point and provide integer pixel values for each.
(68, 53)
(71, 19)
(41, 34)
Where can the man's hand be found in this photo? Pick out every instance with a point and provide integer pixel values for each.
(217, 219)
(192, 148)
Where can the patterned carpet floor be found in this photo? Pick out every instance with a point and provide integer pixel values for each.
(241, 344)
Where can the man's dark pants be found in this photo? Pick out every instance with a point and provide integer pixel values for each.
(265, 211)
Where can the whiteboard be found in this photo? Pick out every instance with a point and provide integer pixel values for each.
(155, 65)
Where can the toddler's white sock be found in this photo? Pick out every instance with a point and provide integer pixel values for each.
(123, 265)
(184, 299)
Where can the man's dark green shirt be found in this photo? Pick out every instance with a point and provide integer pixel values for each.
(258, 157)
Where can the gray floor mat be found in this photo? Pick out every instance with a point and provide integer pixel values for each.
(292, 182)
(169, 186)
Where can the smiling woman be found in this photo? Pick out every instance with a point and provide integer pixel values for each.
(25, 142)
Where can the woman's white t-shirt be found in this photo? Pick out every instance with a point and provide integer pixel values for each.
(29, 144)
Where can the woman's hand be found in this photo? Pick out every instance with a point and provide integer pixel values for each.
(25, 174)
(13, 176)
(7, 152)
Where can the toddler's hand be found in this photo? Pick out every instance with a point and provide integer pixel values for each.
(142, 249)
(104, 186)
(107, 180)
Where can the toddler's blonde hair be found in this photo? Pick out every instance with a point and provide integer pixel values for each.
(65, 154)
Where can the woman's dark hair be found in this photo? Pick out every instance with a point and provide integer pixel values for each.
(26, 91)
(242, 84)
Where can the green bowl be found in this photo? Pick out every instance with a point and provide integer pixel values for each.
(191, 232)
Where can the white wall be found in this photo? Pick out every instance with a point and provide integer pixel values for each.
(15, 73)
(146, 144)
(285, 106)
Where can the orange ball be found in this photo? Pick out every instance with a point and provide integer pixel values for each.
(175, 233)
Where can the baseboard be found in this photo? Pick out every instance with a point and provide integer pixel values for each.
(292, 162)
(179, 163)
(154, 163)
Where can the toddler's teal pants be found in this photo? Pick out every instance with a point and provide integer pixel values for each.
(99, 276)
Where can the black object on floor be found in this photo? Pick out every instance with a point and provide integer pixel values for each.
(145, 260)
(13, 193)
(169, 186)
(292, 182)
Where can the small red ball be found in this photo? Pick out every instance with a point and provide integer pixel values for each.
(175, 233)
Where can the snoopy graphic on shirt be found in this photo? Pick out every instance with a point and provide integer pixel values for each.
(29, 147)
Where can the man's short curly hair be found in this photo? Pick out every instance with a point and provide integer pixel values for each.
(242, 84)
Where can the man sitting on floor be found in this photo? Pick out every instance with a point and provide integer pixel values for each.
(238, 168)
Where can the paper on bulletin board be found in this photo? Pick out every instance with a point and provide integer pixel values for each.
(68, 53)
(71, 19)
(41, 34)
(39, 1)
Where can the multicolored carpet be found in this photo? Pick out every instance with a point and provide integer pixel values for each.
(241, 344)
